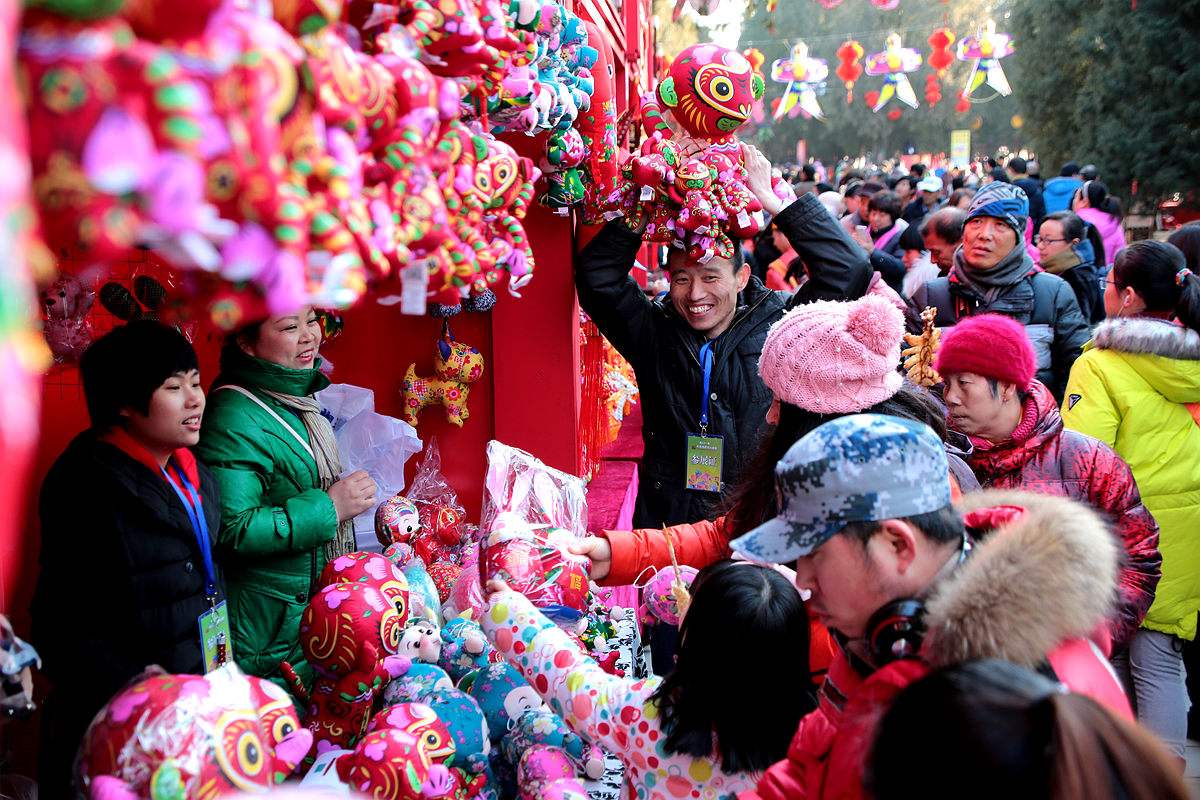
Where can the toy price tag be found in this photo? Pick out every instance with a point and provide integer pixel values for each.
(215, 637)
(705, 458)
(413, 281)
(323, 776)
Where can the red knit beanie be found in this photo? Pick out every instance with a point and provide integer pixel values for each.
(990, 345)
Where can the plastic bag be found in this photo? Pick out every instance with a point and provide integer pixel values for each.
(517, 483)
(442, 516)
(533, 560)
(368, 441)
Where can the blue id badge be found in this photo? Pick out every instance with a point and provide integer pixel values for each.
(215, 638)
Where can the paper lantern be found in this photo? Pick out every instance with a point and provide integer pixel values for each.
(871, 98)
(894, 114)
(940, 57)
(849, 70)
(1017, 121)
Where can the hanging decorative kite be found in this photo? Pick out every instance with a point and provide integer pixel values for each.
(894, 63)
(986, 48)
(805, 79)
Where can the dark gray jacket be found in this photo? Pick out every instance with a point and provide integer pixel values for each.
(664, 352)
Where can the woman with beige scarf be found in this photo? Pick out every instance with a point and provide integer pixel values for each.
(284, 511)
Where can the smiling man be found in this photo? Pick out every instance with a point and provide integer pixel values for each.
(992, 272)
(700, 433)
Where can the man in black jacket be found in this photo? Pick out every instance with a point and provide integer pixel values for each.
(717, 303)
(125, 573)
(992, 272)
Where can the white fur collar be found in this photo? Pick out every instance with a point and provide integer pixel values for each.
(1148, 336)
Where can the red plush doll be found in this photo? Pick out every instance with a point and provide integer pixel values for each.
(370, 569)
(349, 633)
(191, 736)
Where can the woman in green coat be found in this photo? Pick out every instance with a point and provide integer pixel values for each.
(284, 512)
(1137, 388)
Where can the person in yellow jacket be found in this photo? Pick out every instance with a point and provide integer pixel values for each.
(1137, 388)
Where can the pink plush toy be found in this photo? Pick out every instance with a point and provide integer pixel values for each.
(545, 773)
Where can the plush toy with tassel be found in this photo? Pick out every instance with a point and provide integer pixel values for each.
(456, 366)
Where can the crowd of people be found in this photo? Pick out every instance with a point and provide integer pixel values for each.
(991, 575)
(986, 547)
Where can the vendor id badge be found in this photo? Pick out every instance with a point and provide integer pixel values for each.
(705, 458)
(215, 637)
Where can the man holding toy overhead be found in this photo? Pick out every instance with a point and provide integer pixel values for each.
(695, 352)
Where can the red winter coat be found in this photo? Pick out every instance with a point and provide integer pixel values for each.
(1030, 593)
(1044, 457)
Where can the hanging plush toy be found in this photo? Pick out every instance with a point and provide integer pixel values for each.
(191, 736)
(456, 366)
(67, 302)
(894, 63)
(710, 91)
(985, 49)
(805, 79)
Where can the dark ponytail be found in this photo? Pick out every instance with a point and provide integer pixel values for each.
(1159, 273)
(1098, 198)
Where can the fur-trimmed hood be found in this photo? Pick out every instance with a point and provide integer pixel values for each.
(1048, 577)
(1147, 336)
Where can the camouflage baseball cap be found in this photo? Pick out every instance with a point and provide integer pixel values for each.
(858, 468)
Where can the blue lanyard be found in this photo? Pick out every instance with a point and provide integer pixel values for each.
(706, 364)
(195, 512)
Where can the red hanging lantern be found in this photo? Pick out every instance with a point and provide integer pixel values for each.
(830, 3)
(940, 57)
(963, 105)
(849, 70)
(894, 114)
(933, 90)
(871, 98)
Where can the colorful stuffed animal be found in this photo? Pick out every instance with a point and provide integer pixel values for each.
(413, 686)
(433, 745)
(444, 575)
(191, 736)
(465, 647)
(456, 366)
(542, 727)
(370, 569)
(503, 695)
(421, 641)
(386, 765)
(545, 773)
(397, 520)
(710, 91)
(350, 634)
(467, 725)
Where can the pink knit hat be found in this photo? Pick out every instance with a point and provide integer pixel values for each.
(834, 357)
